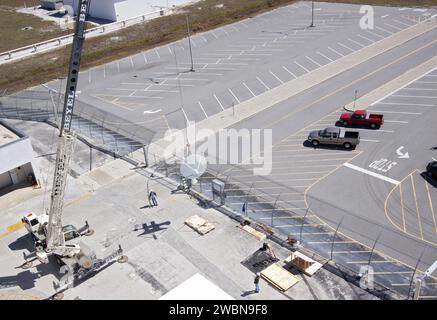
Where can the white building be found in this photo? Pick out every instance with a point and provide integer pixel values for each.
(116, 10)
(17, 158)
(197, 288)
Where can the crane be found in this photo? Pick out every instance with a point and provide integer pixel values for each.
(47, 230)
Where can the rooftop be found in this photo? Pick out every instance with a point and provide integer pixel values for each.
(6, 135)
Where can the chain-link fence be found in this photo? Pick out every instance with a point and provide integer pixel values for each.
(333, 234)
(353, 244)
(101, 129)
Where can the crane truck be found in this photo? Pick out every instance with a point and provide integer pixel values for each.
(50, 235)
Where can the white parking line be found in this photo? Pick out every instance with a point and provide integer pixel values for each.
(157, 54)
(397, 112)
(335, 51)
(400, 22)
(324, 56)
(357, 43)
(392, 26)
(365, 38)
(132, 63)
(144, 57)
(395, 121)
(217, 99)
(369, 140)
(222, 29)
(200, 105)
(375, 34)
(249, 89)
(399, 95)
(421, 81)
(238, 100)
(370, 173)
(407, 104)
(425, 89)
(262, 82)
(346, 47)
(282, 82)
(301, 66)
(286, 69)
(384, 30)
(312, 60)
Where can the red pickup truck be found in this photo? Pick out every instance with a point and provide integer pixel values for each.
(361, 117)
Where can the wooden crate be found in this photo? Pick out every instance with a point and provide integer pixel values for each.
(199, 224)
(303, 263)
(259, 235)
(279, 277)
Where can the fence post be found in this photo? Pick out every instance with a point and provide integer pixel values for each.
(91, 159)
(247, 198)
(335, 235)
(146, 162)
(414, 273)
(301, 226)
(274, 206)
(373, 248)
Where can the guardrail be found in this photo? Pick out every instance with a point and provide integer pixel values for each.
(19, 53)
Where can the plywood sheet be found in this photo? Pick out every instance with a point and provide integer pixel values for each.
(257, 234)
(279, 277)
(199, 224)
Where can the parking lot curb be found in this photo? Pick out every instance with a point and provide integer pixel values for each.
(269, 99)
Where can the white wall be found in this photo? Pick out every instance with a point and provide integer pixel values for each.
(18, 154)
(116, 10)
(102, 9)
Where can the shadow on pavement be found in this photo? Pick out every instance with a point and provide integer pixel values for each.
(24, 242)
(425, 175)
(308, 144)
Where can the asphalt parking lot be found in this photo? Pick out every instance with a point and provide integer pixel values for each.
(373, 195)
(368, 206)
(234, 63)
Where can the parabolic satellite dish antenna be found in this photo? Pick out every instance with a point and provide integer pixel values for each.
(69, 10)
(193, 167)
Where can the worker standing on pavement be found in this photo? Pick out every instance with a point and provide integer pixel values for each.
(152, 199)
(256, 282)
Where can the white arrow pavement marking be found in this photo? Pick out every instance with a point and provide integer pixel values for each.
(152, 111)
(402, 155)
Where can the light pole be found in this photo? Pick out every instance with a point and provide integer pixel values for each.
(189, 43)
(312, 14)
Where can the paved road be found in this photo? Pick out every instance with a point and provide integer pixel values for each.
(367, 207)
(233, 63)
(240, 61)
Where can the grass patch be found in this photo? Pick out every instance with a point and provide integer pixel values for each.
(204, 15)
(12, 33)
(392, 3)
